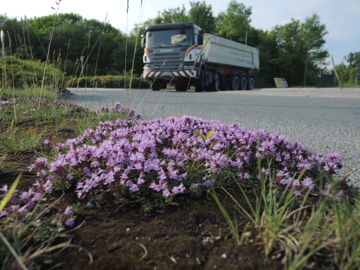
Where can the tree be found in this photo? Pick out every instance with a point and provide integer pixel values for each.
(172, 15)
(312, 33)
(202, 15)
(353, 59)
(235, 22)
(268, 54)
(300, 51)
(290, 56)
(74, 37)
(14, 36)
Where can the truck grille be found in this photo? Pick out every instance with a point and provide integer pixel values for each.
(166, 62)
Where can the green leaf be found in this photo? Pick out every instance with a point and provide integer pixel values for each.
(136, 122)
(198, 134)
(210, 133)
(10, 192)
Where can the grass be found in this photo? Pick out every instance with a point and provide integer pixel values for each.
(297, 230)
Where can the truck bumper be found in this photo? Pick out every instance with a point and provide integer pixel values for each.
(168, 74)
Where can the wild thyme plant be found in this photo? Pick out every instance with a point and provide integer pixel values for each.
(33, 108)
(155, 160)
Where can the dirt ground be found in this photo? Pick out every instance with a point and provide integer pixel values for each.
(193, 235)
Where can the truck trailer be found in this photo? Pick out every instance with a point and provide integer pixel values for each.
(183, 55)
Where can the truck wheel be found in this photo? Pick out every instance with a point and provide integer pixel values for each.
(215, 85)
(234, 82)
(181, 86)
(251, 83)
(200, 83)
(163, 85)
(243, 83)
(155, 86)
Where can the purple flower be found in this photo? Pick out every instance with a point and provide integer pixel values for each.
(70, 222)
(307, 182)
(178, 189)
(4, 189)
(68, 210)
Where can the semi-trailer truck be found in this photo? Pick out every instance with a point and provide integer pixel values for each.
(183, 55)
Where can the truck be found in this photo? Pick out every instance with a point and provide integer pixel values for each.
(182, 54)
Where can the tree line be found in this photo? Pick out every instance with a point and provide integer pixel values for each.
(350, 73)
(294, 51)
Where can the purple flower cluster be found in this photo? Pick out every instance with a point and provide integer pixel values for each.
(165, 157)
(4, 105)
(21, 203)
(7, 106)
(117, 109)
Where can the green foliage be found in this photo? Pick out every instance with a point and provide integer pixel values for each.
(5, 200)
(234, 23)
(18, 73)
(107, 82)
(202, 15)
(102, 46)
(172, 15)
(353, 59)
(349, 72)
(300, 51)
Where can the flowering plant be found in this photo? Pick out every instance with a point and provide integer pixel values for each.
(158, 159)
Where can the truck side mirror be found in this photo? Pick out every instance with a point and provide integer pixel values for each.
(201, 37)
(143, 41)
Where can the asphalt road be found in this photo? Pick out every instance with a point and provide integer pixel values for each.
(325, 119)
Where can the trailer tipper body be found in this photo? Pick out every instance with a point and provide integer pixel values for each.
(183, 55)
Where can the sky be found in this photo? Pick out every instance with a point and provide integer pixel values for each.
(342, 18)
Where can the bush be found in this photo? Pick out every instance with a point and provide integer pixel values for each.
(18, 73)
(107, 82)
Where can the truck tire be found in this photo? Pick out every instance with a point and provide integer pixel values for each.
(251, 83)
(234, 82)
(155, 86)
(200, 83)
(162, 85)
(181, 86)
(243, 83)
(216, 82)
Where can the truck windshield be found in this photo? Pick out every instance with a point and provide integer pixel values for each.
(169, 38)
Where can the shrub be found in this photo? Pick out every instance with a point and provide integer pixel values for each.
(108, 81)
(22, 73)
